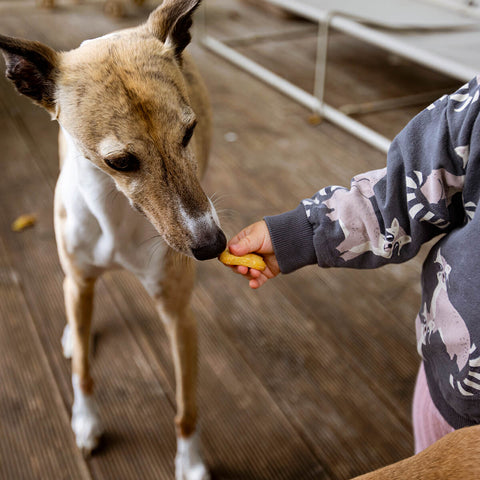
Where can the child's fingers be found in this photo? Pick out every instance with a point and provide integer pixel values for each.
(256, 278)
(241, 246)
(249, 240)
(255, 283)
(240, 243)
(238, 237)
(255, 273)
(241, 269)
(250, 274)
(245, 271)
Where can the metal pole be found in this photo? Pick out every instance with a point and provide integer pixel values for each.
(321, 60)
(301, 96)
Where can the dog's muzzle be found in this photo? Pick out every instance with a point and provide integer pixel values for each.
(211, 249)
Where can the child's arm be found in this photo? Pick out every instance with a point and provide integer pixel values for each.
(387, 214)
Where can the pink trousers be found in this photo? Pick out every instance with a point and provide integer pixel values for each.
(428, 425)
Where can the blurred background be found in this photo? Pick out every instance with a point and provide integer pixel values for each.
(309, 377)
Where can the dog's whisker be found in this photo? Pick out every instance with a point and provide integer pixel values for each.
(217, 198)
(148, 240)
(226, 215)
(104, 197)
(112, 196)
(229, 211)
(184, 260)
(155, 248)
(177, 261)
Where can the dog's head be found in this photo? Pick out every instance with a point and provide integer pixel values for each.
(133, 105)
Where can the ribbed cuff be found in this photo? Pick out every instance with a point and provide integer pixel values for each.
(292, 239)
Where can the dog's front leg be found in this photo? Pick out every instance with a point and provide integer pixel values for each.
(79, 305)
(182, 332)
(78, 289)
(173, 306)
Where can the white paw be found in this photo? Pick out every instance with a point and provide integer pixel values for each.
(189, 464)
(67, 342)
(86, 423)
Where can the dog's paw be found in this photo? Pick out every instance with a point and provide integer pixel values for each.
(86, 424)
(67, 342)
(87, 427)
(189, 464)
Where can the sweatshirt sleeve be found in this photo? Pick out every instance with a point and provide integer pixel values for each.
(386, 215)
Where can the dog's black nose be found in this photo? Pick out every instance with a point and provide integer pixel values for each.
(212, 249)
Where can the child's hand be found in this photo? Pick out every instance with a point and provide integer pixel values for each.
(255, 239)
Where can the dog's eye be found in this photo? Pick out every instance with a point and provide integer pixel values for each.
(123, 163)
(188, 134)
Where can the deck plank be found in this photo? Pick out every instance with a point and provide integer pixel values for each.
(239, 420)
(36, 441)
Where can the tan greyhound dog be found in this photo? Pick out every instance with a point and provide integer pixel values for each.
(128, 105)
(454, 457)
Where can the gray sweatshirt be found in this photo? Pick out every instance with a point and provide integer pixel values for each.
(430, 187)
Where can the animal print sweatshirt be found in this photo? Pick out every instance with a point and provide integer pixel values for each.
(430, 187)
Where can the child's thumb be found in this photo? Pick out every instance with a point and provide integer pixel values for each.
(242, 246)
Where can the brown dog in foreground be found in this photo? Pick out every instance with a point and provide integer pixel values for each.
(454, 457)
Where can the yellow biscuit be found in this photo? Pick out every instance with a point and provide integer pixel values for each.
(22, 222)
(250, 260)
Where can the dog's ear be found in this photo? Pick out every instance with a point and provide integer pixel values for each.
(171, 23)
(32, 67)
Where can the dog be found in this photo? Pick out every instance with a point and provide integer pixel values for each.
(134, 118)
(453, 457)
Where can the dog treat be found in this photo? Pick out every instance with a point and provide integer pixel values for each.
(250, 260)
(23, 221)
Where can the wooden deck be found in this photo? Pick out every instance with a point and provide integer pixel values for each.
(309, 377)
